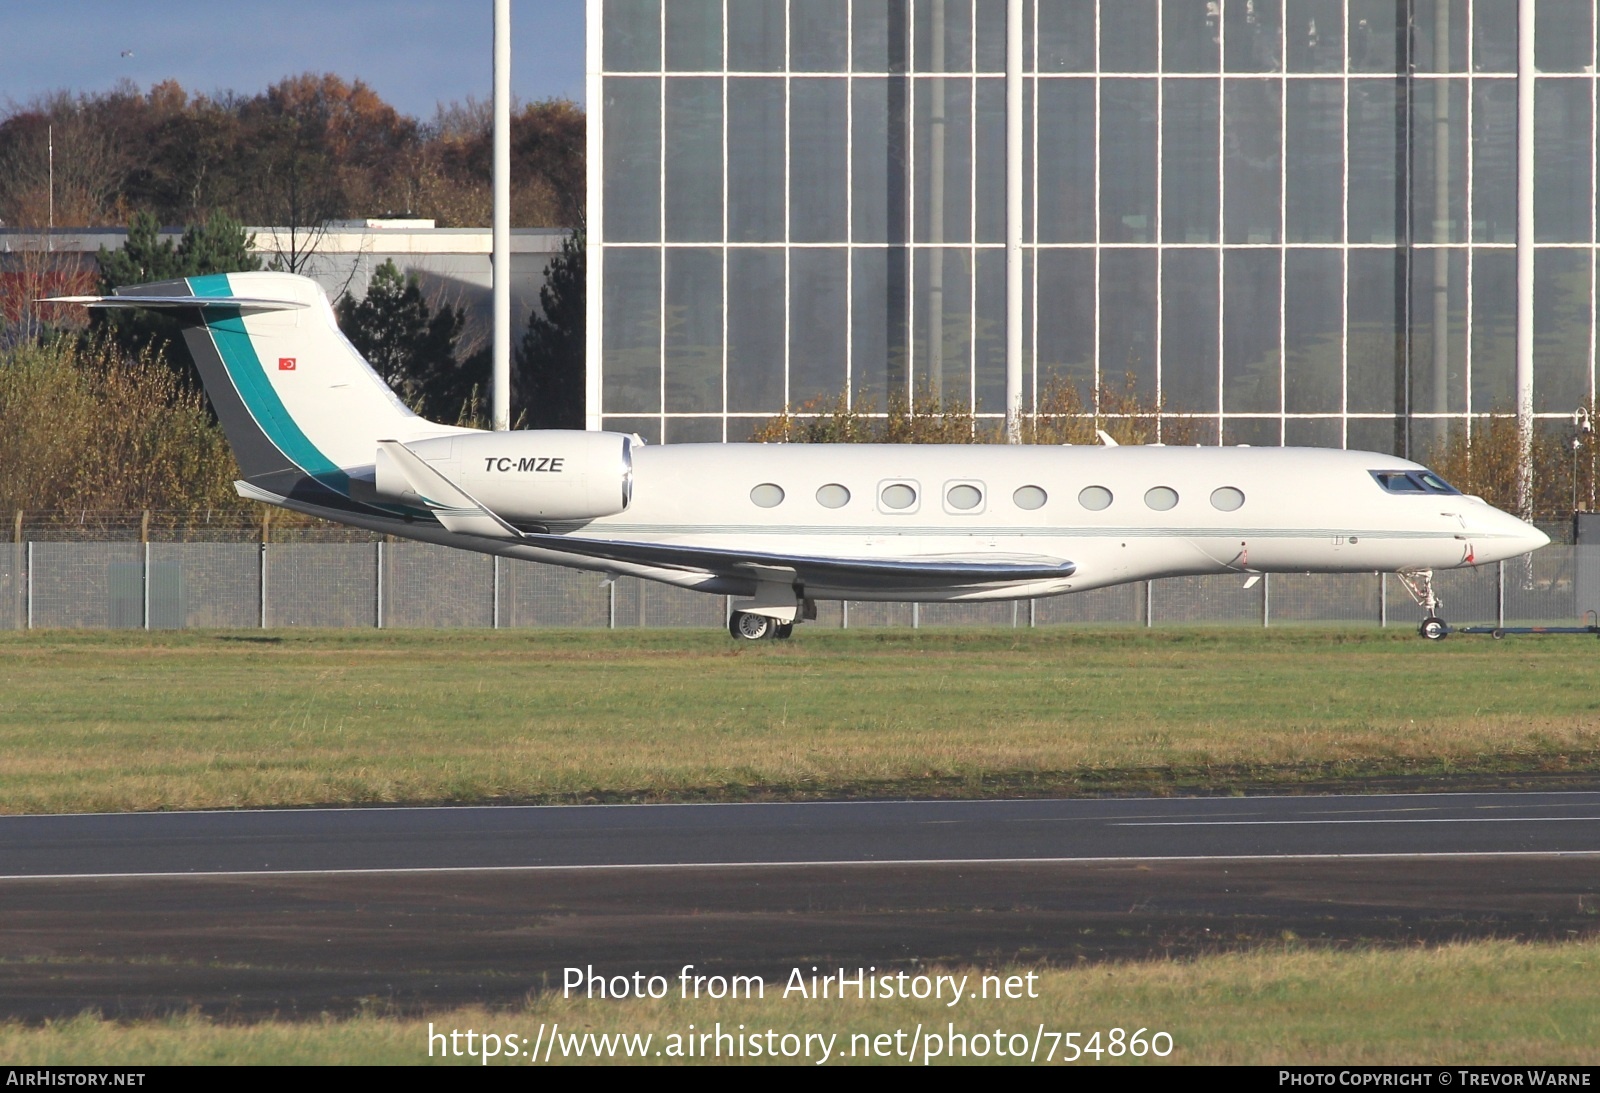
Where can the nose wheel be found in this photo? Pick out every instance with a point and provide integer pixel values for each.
(1419, 583)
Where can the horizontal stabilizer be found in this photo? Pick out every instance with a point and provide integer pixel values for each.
(245, 303)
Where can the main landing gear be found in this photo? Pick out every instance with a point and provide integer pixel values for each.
(742, 624)
(1419, 583)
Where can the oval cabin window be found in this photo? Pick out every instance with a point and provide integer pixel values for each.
(1161, 498)
(833, 496)
(964, 497)
(1030, 497)
(768, 495)
(1094, 498)
(898, 496)
(1227, 499)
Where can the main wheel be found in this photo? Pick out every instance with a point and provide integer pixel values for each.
(750, 627)
(1433, 628)
(783, 631)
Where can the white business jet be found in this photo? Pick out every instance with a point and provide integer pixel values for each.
(779, 526)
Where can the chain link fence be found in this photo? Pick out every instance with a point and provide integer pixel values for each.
(48, 583)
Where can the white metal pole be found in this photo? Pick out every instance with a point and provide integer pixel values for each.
(1441, 226)
(594, 219)
(1525, 131)
(377, 587)
(936, 169)
(494, 617)
(146, 586)
(1013, 221)
(502, 214)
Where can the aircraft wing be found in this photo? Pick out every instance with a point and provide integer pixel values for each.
(813, 569)
(460, 512)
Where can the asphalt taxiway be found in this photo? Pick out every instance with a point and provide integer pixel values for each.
(312, 911)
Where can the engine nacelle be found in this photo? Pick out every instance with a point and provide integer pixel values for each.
(526, 476)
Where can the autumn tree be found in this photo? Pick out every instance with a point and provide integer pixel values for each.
(309, 148)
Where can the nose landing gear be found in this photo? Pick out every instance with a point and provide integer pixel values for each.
(1419, 583)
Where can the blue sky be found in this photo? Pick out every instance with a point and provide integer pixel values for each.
(414, 53)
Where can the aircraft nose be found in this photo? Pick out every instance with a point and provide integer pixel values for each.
(1522, 537)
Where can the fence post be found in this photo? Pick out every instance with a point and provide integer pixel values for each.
(266, 536)
(611, 604)
(1149, 607)
(916, 615)
(1500, 593)
(146, 577)
(377, 588)
(844, 614)
(30, 584)
(19, 596)
(1266, 600)
(1383, 599)
(1033, 619)
(494, 611)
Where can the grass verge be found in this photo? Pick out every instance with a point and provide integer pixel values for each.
(99, 721)
(1478, 1003)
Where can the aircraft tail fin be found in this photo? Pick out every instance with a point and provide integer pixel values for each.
(302, 410)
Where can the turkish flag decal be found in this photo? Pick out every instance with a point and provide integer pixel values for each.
(286, 364)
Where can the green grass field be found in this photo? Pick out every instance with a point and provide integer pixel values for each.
(1483, 1003)
(102, 720)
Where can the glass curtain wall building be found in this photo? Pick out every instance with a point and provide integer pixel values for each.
(1289, 221)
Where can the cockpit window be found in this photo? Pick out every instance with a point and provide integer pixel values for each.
(1412, 482)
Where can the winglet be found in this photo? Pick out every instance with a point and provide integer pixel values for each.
(455, 508)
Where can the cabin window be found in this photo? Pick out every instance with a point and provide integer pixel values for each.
(1094, 498)
(963, 497)
(1161, 498)
(768, 495)
(833, 496)
(898, 496)
(1030, 497)
(1227, 499)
